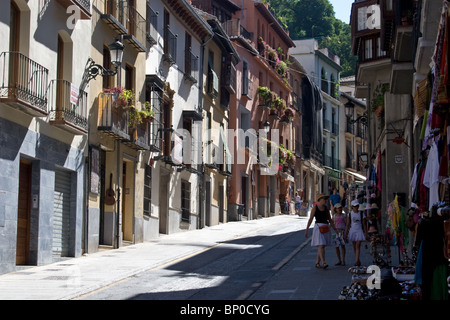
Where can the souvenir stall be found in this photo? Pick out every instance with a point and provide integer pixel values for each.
(428, 219)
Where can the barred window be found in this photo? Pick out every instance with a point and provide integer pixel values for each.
(185, 200)
(148, 191)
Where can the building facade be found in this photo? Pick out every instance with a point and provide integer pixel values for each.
(321, 87)
(43, 131)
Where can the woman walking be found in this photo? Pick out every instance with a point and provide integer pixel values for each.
(340, 221)
(357, 232)
(321, 236)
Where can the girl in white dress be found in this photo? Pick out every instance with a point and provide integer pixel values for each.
(357, 232)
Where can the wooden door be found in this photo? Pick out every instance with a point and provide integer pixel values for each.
(23, 214)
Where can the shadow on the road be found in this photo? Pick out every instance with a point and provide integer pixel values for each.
(236, 269)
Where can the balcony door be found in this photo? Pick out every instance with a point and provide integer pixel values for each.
(14, 36)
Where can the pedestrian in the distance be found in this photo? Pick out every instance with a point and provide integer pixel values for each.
(321, 236)
(355, 230)
(340, 221)
(335, 197)
(298, 203)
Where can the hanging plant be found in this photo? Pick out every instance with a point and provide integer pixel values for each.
(378, 96)
(279, 104)
(265, 94)
(134, 117)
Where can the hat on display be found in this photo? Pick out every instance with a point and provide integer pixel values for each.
(374, 206)
(361, 207)
(320, 196)
(355, 203)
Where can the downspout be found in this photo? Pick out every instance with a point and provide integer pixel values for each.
(200, 110)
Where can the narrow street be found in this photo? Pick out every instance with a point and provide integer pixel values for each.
(273, 263)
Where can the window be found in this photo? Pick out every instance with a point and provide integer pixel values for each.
(147, 191)
(107, 80)
(185, 200)
(245, 125)
(213, 80)
(170, 41)
(333, 86)
(246, 82)
(187, 142)
(380, 53)
(151, 25)
(389, 6)
(368, 47)
(153, 94)
(324, 84)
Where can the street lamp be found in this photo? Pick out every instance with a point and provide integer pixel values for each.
(116, 49)
(349, 107)
(92, 69)
(266, 126)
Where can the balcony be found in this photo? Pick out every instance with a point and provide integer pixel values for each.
(115, 16)
(136, 26)
(68, 110)
(170, 47)
(331, 162)
(151, 26)
(234, 29)
(112, 119)
(191, 67)
(23, 84)
(237, 32)
(228, 80)
(84, 5)
(140, 136)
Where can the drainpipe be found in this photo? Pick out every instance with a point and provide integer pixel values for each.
(200, 109)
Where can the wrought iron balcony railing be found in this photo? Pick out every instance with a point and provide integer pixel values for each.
(191, 66)
(170, 46)
(112, 118)
(151, 26)
(23, 83)
(84, 5)
(136, 26)
(115, 16)
(68, 109)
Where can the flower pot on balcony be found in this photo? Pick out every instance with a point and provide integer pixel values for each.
(379, 111)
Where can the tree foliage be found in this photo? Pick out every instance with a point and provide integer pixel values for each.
(316, 19)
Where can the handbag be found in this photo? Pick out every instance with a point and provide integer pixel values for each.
(324, 228)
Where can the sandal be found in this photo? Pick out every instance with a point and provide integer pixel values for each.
(338, 264)
(318, 266)
(325, 266)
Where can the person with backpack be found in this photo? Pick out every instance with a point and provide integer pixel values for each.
(356, 230)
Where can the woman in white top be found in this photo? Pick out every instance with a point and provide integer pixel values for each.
(357, 232)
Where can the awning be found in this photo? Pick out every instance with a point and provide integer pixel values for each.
(357, 175)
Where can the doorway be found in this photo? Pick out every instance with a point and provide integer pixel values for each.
(23, 213)
(164, 202)
(208, 203)
(244, 194)
(128, 201)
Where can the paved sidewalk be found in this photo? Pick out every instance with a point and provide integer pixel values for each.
(73, 277)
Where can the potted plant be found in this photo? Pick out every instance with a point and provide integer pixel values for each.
(147, 114)
(289, 114)
(125, 98)
(266, 95)
(291, 159)
(279, 104)
(378, 99)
